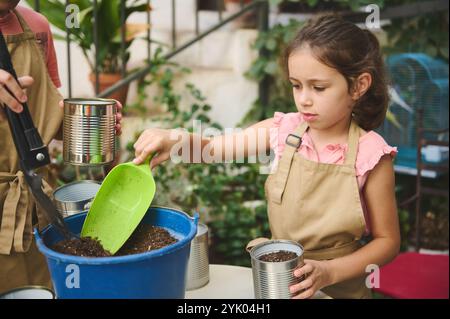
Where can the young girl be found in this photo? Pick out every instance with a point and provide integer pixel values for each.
(334, 181)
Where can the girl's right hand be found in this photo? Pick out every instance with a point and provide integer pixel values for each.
(154, 141)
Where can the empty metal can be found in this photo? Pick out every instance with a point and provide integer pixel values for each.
(198, 266)
(89, 131)
(76, 197)
(271, 280)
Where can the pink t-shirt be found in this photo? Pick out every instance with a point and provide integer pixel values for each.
(370, 150)
(10, 25)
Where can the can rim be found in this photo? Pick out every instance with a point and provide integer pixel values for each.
(274, 241)
(89, 101)
(31, 287)
(201, 229)
(71, 184)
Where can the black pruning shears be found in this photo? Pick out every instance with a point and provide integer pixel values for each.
(32, 152)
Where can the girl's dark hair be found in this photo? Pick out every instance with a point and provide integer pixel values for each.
(351, 51)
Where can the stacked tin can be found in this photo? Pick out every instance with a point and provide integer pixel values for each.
(76, 197)
(198, 266)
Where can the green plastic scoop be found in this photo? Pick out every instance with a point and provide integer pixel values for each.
(120, 204)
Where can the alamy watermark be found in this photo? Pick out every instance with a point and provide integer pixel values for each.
(231, 145)
(73, 277)
(373, 279)
(373, 19)
(73, 16)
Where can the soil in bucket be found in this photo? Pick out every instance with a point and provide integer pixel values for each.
(144, 238)
(278, 256)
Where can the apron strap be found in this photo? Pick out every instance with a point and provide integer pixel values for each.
(17, 216)
(27, 32)
(25, 27)
(353, 142)
(293, 142)
(16, 219)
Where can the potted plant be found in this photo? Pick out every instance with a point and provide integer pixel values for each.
(247, 20)
(237, 2)
(109, 51)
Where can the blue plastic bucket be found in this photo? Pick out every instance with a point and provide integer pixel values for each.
(155, 274)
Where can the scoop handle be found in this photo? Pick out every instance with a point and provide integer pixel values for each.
(144, 166)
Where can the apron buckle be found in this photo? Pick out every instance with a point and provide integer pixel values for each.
(294, 144)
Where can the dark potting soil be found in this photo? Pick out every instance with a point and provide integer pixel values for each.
(83, 247)
(278, 256)
(144, 238)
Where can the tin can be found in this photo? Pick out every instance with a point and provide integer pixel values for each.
(29, 292)
(76, 197)
(89, 131)
(198, 266)
(271, 280)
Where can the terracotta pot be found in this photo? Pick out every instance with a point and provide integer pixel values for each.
(238, 1)
(107, 80)
(247, 20)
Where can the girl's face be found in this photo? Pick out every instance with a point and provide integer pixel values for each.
(320, 92)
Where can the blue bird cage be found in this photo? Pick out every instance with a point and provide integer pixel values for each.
(418, 82)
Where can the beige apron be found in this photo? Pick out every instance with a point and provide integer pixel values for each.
(21, 263)
(318, 205)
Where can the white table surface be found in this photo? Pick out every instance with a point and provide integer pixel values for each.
(230, 282)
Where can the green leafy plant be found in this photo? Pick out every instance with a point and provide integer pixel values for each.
(270, 65)
(427, 33)
(109, 30)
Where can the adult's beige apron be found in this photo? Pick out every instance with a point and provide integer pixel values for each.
(20, 262)
(318, 205)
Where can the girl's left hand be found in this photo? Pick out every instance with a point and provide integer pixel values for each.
(118, 116)
(318, 275)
